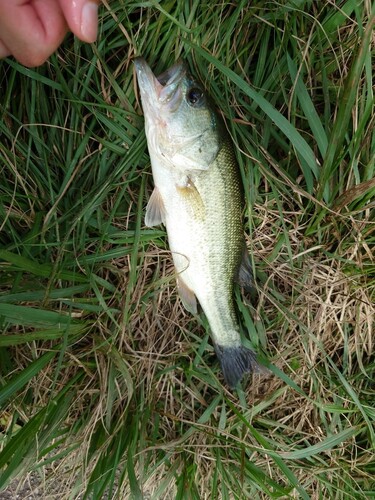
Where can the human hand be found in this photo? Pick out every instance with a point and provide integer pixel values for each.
(31, 30)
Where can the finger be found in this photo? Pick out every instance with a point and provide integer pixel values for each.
(4, 51)
(32, 31)
(82, 18)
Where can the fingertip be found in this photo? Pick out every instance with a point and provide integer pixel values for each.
(89, 22)
(82, 18)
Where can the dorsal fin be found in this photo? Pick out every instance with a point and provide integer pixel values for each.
(245, 276)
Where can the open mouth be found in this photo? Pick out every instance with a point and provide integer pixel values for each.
(174, 74)
(164, 89)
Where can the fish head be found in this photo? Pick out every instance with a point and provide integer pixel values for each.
(182, 127)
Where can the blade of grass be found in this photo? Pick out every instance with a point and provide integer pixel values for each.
(20, 380)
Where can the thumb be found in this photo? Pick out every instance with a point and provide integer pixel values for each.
(82, 18)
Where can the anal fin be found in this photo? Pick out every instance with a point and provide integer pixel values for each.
(187, 296)
(155, 210)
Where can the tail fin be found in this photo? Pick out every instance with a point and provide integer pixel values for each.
(235, 362)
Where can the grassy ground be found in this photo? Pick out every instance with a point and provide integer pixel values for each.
(106, 383)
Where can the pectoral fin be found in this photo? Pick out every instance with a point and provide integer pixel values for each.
(192, 198)
(187, 296)
(155, 210)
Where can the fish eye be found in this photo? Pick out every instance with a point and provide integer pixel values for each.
(194, 96)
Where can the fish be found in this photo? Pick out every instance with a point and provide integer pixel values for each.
(198, 196)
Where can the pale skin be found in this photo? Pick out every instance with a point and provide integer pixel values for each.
(31, 30)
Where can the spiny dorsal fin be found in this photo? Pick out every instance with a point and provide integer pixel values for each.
(155, 210)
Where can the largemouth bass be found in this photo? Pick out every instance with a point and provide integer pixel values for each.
(198, 196)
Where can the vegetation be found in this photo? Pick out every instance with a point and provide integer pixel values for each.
(107, 386)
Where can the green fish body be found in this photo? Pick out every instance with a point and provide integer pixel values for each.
(198, 196)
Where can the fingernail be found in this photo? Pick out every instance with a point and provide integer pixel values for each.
(89, 21)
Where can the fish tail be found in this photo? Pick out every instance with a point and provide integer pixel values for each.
(235, 362)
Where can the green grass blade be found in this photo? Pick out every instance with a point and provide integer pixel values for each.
(307, 106)
(20, 380)
(325, 445)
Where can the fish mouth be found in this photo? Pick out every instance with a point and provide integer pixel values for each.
(160, 91)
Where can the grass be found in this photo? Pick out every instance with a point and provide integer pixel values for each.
(107, 386)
